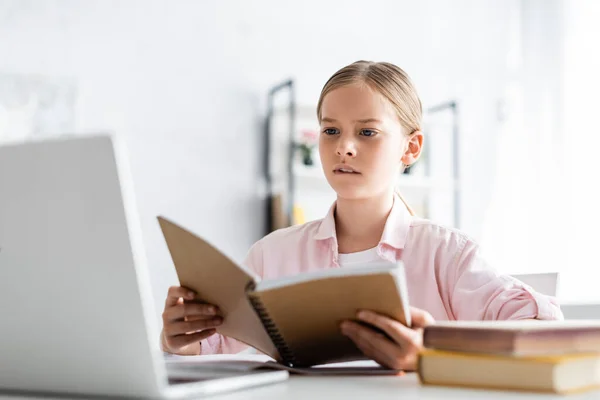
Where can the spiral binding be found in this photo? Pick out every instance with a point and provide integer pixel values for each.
(285, 352)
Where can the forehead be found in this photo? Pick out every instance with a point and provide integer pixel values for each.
(356, 101)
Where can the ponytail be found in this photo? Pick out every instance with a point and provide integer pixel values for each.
(397, 191)
(409, 208)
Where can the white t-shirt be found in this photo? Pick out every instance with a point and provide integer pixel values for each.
(359, 259)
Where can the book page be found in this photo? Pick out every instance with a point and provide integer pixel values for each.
(180, 365)
(324, 274)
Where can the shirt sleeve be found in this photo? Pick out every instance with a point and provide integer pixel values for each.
(219, 344)
(481, 293)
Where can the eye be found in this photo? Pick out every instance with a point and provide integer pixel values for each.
(368, 132)
(330, 131)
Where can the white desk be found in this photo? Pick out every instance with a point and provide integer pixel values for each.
(404, 388)
(383, 387)
(389, 387)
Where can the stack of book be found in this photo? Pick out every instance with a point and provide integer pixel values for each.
(544, 356)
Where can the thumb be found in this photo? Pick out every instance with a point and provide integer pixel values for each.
(420, 318)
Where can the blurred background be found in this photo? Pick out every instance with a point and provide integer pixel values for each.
(195, 88)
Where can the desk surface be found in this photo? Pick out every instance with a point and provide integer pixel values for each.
(405, 387)
(382, 387)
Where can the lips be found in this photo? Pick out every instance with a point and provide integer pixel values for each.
(345, 169)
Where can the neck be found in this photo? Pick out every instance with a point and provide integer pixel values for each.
(359, 223)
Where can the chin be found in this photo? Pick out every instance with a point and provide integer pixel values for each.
(351, 192)
(357, 191)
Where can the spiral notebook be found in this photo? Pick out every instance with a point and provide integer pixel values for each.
(295, 320)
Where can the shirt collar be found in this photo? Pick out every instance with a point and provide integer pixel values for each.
(394, 233)
(326, 229)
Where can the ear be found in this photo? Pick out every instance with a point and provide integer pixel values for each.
(414, 147)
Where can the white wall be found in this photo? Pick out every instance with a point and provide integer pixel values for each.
(544, 213)
(185, 81)
(581, 85)
(530, 159)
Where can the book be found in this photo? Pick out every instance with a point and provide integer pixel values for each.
(516, 338)
(295, 319)
(555, 374)
(187, 367)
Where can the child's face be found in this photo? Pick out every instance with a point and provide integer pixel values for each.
(360, 130)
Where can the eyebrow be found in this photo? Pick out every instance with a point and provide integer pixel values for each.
(368, 120)
(362, 121)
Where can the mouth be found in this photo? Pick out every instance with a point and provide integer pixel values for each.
(345, 170)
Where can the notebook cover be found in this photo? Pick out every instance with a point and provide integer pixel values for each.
(308, 315)
(219, 281)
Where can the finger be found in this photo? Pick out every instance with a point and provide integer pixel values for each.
(375, 355)
(177, 292)
(199, 317)
(401, 334)
(189, 309)
(420, 318)
(183, 327)
(382, 350)
(374, 345)
(177, 342)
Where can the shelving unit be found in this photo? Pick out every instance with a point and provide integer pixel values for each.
(431, 186)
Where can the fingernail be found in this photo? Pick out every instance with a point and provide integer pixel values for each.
(346, 327)
(363, 315)
(212, 310)
(190, 295)
(218, 321)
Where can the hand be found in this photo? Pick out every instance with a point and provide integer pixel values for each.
(401, 349)
(186, 322)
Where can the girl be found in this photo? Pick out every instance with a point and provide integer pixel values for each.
(370, 117)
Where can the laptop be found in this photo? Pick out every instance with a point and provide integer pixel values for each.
(75, 295)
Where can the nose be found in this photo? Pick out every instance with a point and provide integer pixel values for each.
(346, 148)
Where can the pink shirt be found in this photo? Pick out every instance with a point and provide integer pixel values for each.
(445, 272)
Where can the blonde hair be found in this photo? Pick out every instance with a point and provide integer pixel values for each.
(392, 83)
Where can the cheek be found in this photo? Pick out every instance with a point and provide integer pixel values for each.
(324, 148)
(385, 156)
(385, 163)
